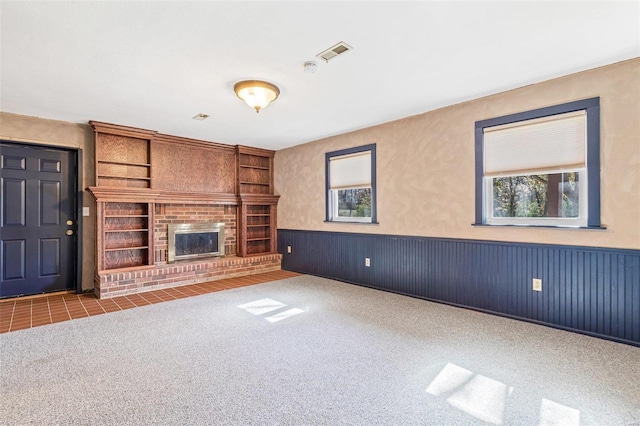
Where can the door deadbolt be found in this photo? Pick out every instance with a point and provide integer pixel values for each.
(69, 222)
(69, 232)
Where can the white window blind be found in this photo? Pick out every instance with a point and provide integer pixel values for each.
(546, 144)
(350, 171)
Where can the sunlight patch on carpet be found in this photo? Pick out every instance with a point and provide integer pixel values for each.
(449, 379)
(265, 306)
(262, 306)
(283, 315)
(486, 399)
(554, 413)
(482, 397)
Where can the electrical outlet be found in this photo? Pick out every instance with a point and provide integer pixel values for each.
(537, 284)
(367, 262)
(288, 249)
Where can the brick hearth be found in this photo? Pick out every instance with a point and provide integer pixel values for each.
(114, 283)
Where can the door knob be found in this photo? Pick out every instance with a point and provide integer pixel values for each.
(69, 222)
(69, 232)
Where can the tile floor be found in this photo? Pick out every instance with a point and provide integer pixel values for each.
(20, 313)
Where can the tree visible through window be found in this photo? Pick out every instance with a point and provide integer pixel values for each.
(551, 195)
(354, 202)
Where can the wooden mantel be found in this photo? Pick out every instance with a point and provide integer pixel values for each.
(101, 193)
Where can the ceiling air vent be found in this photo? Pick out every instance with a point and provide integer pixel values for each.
(334, 51)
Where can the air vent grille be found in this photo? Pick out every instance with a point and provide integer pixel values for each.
(334, 51)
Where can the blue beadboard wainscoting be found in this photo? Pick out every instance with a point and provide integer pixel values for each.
(595, 291)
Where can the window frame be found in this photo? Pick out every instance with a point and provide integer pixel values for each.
(329, 203)
(591, 107)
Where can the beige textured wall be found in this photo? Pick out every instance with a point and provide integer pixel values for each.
(426, 166)
(49, 132)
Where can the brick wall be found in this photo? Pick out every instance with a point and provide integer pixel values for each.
(181, 273)
(192, 213)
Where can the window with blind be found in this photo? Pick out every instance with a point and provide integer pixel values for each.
(540, 168)
(351, 185)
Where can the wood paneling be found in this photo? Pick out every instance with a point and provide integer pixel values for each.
(123, 149)
(590, 290)
(192, 168)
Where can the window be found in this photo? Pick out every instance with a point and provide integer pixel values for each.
(541, 167)
(351, 185)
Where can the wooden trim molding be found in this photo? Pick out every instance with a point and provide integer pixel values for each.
(242, 149)
(145, 195)
(197, 198)
(194, 143)
(259, 199)
(135, 195)
(115, 129)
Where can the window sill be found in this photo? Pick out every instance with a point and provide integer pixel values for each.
(351, 223)
(509, 225)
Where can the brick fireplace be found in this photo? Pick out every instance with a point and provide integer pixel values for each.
(166, 214)
(146, 181)
(163, 274)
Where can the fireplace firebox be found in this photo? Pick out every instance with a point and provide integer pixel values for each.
(193, 240)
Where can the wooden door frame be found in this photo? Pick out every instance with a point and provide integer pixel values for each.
(77, 153)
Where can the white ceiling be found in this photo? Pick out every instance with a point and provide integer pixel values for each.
(154, 65)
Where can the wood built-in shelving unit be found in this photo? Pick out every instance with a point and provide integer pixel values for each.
(257, 210)
(255, 171)
(123, 158)
(125, 217)
(134, 173)
(126, 234)
(258, 219)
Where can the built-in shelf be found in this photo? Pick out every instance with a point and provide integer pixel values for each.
(125, 236)
(258, 224)
(255, 171)
(127, 248)
(246, 166)
(122, 163)
(255, 183)
(124, 177)
(123, 156)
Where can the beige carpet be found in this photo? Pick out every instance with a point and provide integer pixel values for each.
(308, 350)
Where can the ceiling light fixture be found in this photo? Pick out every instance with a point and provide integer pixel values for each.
(256, 93)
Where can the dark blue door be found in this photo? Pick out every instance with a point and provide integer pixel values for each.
(38, 220)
